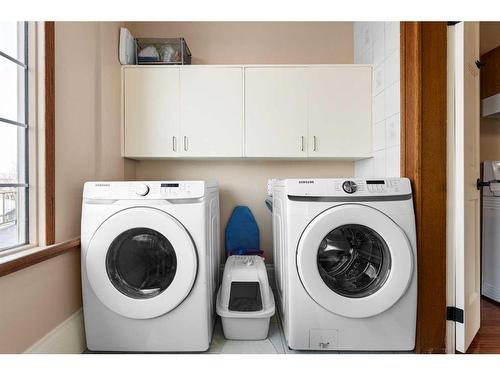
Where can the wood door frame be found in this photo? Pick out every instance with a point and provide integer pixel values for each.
(423, 161)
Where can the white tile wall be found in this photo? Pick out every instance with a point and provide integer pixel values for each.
(392, 131)
(391, 101)
(392, 161)
(377, 43)
(378, 79)
(379, 163)
(379, 135)
(378, 107)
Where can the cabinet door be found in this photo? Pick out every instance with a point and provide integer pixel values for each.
(340, 112)
(151, 111)
(276, 112)
(212, 111)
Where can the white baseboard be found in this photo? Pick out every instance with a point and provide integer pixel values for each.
(67, 338)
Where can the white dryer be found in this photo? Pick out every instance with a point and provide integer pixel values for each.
(150, 256)
(345, 263)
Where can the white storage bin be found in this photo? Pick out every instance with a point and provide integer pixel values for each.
(245, 301)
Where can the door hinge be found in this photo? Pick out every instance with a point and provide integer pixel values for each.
(454, 314)
(479, 64)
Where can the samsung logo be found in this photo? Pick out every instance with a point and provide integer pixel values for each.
(102, 185)
(306, 182)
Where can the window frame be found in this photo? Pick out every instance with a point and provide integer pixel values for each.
(24, 162)
(39, 153)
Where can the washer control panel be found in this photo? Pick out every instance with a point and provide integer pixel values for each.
(146, 190)
(353, 187)
(368, 187)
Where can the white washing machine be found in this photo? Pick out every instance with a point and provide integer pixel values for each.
(150, 256)
(345, 263)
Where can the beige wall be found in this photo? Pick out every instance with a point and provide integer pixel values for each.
(87, 115)
(36, 299)
(258, 42)
(244, 182)
(490, 127)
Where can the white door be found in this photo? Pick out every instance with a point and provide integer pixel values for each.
(276, 112)
(340, 111)
(212, 111)
(151, 111)
(141, 263)
(465, 163)
(354, 261)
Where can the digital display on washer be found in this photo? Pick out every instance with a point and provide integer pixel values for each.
(375, 182)
(169, 185)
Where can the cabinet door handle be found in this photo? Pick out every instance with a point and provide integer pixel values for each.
(185, 143)
(174, 143)
(302, 143)
(314, 143)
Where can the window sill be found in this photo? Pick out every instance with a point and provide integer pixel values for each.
(33, 255)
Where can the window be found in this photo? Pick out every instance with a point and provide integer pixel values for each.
(14, 133)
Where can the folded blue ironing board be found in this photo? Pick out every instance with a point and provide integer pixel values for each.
(242, 233)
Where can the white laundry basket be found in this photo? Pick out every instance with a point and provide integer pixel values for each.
(245, 301)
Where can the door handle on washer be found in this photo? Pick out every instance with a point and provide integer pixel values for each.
(314, 143)
(186, 143)
(174, 143)
(302, 143)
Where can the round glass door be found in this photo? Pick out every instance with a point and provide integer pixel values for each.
(354, 260)
(141, 263)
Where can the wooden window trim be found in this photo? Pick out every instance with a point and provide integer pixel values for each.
(50, 250)
(50, 115)
(423, 161)
(37, 256)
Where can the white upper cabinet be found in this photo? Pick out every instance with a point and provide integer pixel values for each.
(211, 111)
(150, 112)
(276, 111)
(340, 111)
(268, 111)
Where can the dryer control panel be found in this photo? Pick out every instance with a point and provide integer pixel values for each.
(149, 190)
